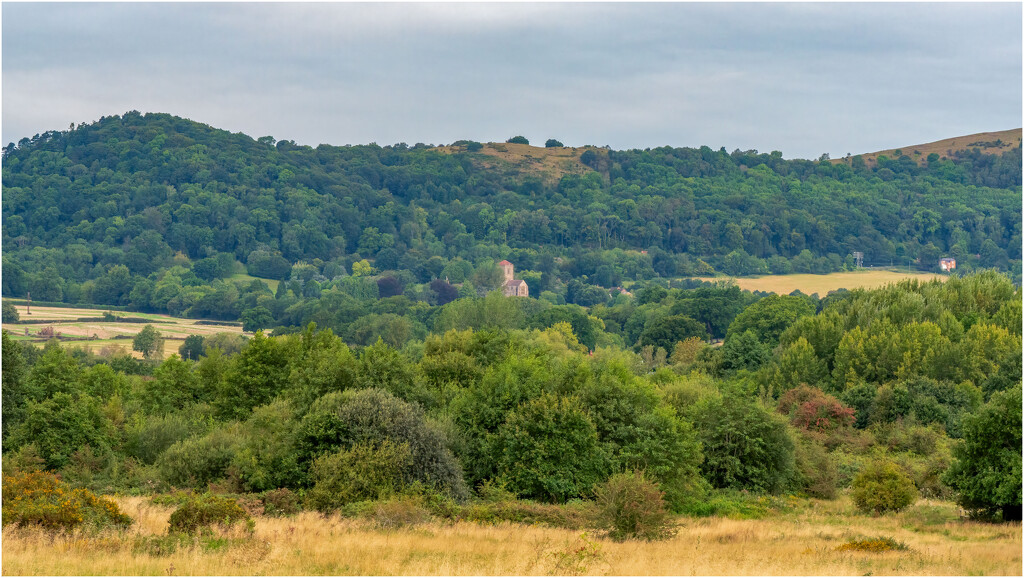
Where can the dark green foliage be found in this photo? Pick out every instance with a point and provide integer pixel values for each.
(205, 512)
(339, 421)
(15, 386)
(60, 425)
(10, 313)
(266, 458)
(883, 487)
(815, 473)
(632, 506)
(745, 445)
(193, 347)
(638, 431)
(665, 333)
(551, 143)
(548, 450)
(197, 461)
(769, 317)
(986, 472)
(518, 140)
(147, 437)
(280, 502)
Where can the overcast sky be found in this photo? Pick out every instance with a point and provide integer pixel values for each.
(800, 78)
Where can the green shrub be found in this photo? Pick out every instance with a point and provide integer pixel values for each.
(883, 487)
(816, 473)
(547, 449)
(341, 421)
(364, 472)
(40, 499)
(746, 446)
(197, 461)
(205, 512)
(280, 502)
(631, 506)
(883, 544)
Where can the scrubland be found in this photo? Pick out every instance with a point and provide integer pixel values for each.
(805, 540)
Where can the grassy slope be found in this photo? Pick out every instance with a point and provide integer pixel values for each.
(801, 542)
(551, 163)
(944, 148)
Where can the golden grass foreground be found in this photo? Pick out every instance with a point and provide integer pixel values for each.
(808, 541)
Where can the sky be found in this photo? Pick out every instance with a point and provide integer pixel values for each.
(802, 78)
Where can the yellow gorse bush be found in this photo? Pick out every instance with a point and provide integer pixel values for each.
(41, 499)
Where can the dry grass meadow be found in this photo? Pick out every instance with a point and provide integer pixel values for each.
(550, 163)
(97, 335)
(803, 542)
(822, 284)
(984, 141)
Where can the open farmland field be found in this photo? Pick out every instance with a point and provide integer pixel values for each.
(96, 335)
(822, 284)
(803, 542)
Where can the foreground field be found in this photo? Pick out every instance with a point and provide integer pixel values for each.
(822, 284)
(97, 335)
(802, 542)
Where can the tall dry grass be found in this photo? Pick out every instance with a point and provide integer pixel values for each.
(792, 544)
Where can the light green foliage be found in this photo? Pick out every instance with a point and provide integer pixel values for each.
(54, 372)
(266, 458)
(255, 375)
(197, 461)
(174, 386)
(986, 473)
(883, 487)
(148, 342)
(631, 506)
(203, 512)
(363, 472)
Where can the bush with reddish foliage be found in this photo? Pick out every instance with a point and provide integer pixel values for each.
(813, 410)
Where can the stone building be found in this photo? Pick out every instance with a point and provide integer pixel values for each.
(512, 287)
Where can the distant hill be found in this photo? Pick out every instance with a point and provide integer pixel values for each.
(992, 143)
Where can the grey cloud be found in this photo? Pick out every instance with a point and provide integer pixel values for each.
(801, 78)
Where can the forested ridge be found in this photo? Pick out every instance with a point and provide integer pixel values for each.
(392, 365)
(157, 213)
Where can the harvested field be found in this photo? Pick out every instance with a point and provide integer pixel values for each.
(822, 284)
(96, 335)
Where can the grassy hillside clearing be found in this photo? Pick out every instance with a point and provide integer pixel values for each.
(995, 143)
(804, 542)
(96, 335)
(551, 163)
(822, 284)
